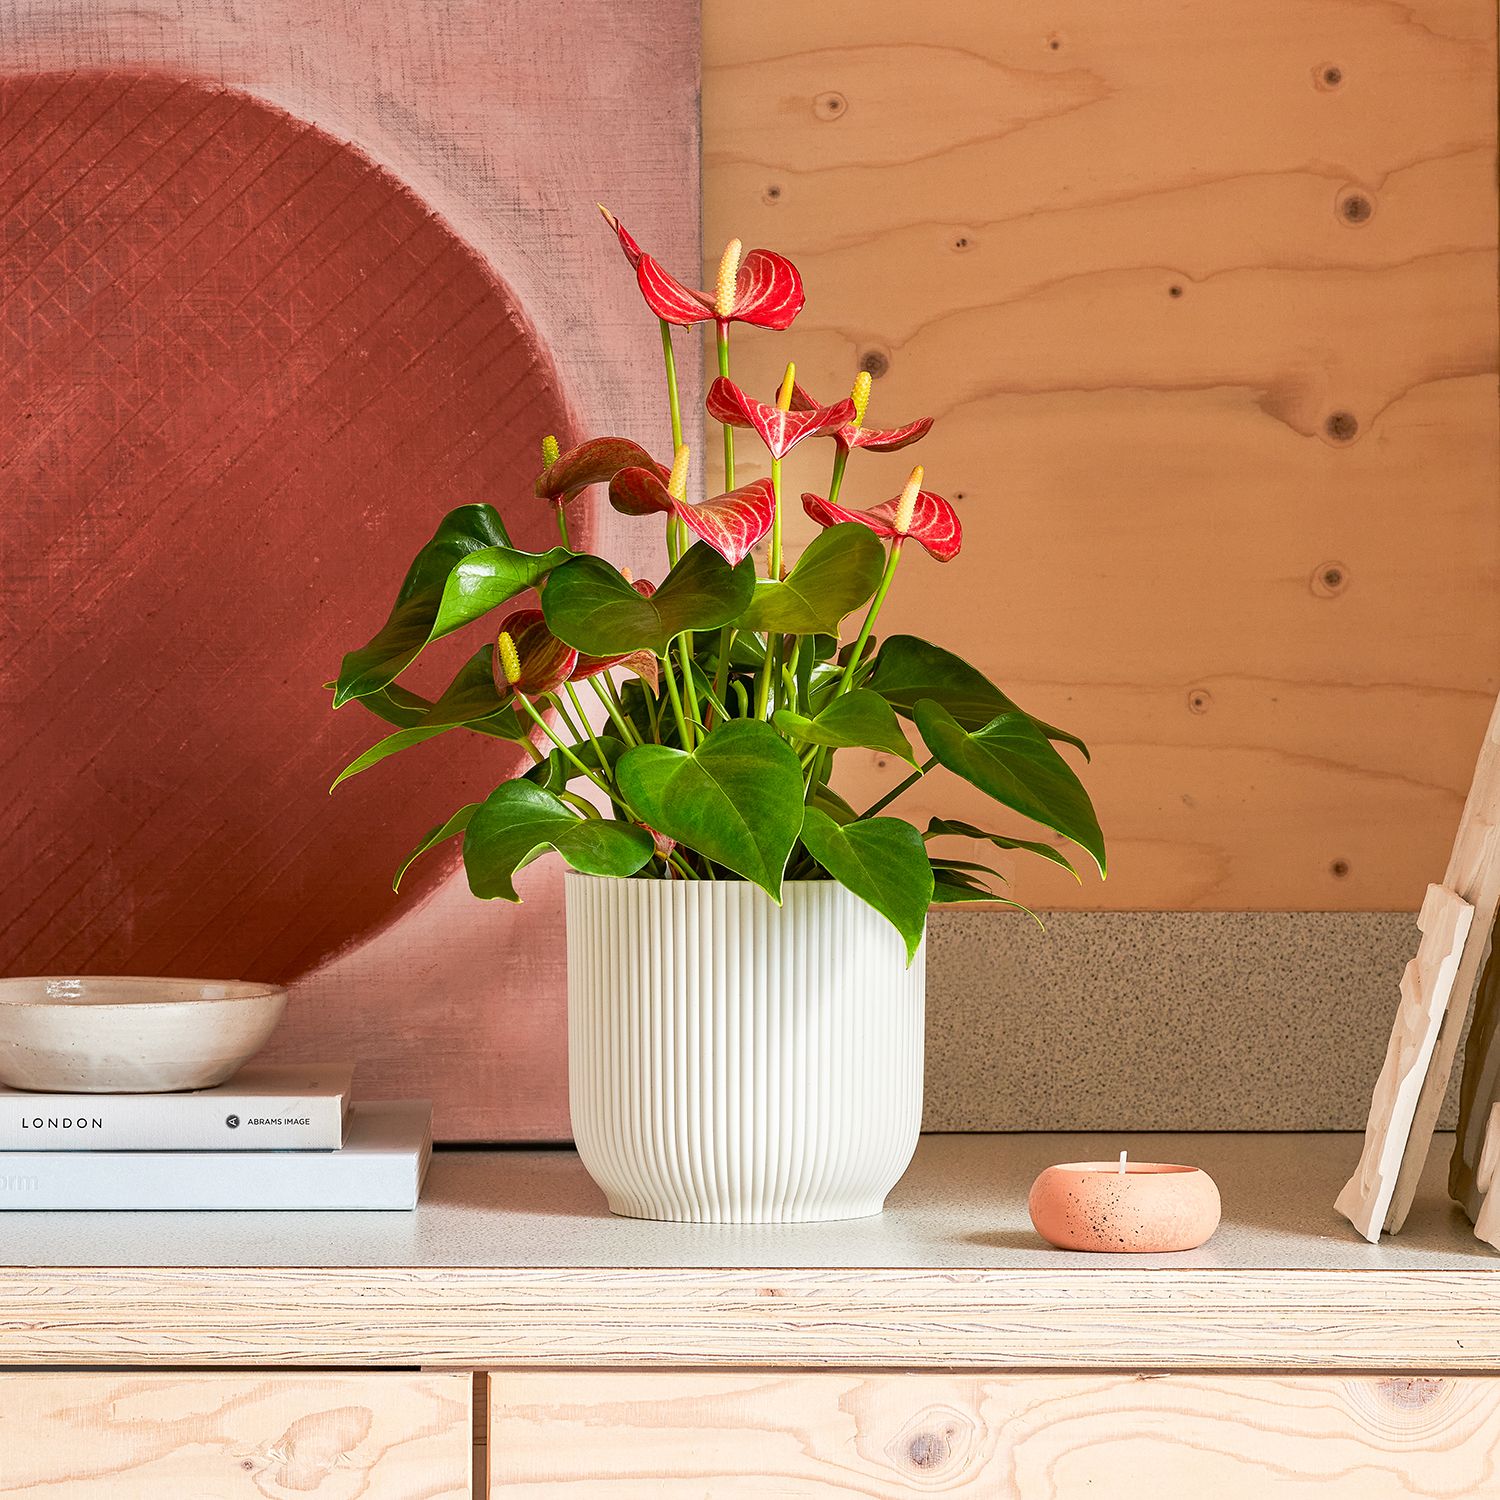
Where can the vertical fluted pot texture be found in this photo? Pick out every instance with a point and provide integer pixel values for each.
(735, 1062)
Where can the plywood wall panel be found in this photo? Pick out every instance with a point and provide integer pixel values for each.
(1203, 298)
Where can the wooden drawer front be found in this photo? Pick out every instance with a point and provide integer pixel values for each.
(694, 1436)
(232, 1435)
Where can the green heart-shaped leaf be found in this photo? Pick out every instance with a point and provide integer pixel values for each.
(907, 670)
(736, 799)
(859, 719)
(883, 861)
(1013, 761)
(469, 701)
(947, 827)
(462, 573)
(591, 607)
(519, 821)
(435, 836)
(837, 573)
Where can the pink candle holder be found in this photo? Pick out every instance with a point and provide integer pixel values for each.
(1123, 1206)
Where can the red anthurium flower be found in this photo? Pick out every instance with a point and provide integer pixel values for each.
(642, 663)
(764, 289)
(779, 430)
(529, 659)
(916, 513)
(731, 524)
(594, 462)
(853, 435)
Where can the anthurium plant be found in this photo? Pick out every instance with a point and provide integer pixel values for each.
(687, 727)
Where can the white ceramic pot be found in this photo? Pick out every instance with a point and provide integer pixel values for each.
(732, 1062)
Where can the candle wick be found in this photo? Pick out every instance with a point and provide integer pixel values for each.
(1122, 1164)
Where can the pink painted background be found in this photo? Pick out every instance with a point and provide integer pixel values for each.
(278, 291)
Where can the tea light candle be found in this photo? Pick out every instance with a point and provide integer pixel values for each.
(1141, 1206)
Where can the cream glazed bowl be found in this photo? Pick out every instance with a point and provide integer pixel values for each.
(121, 1035)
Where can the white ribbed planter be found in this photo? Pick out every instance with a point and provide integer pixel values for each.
(732, 1062)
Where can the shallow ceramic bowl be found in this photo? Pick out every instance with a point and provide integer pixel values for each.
(105, 1035)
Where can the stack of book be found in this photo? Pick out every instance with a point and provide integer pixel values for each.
(273, 1137)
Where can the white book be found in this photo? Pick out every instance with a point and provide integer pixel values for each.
(270, 1107)
(381, 1166)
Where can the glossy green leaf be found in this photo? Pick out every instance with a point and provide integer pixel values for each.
(470, 701)
(519, 821)
(953, 888)
(860, 719)
(461, 574)
(883, 861)
(590, 606)
(736, 798)
(907, 669)
(837, 573)
(948, 827)
(435, 836)
(1012, 760)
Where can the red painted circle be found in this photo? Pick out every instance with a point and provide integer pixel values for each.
(245, 372)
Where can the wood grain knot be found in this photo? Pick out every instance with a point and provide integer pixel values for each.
(772, 193)
(875, 363)
(1175, 290)
(1328, 76)
(1339, 869)
(1354, 208)
(936, 1444)
(963, 242)
(1329, 580)
(830, 106)
(1199, 700)
(1342, 426)
(1411, 1392)
(1054, 43)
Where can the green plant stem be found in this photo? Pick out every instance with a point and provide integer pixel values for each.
(774, 569)
(721, 332)
(674, 401)
(870, 616)
(721, 673)
(568, 754)
(836, 482)
(584, 718)
(763, 682)
(579, 804)
(685, 653)
(672, 693)
(900, 787)
(562, 523)
(567, 723)
(617, 718)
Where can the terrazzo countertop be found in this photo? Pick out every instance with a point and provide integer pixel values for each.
(962, 1204)
(512, 1259)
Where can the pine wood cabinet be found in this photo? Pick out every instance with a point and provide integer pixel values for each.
(939, 1350)
(839, 1436)
(254, 1435)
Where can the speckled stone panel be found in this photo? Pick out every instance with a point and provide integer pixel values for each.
(1161, 1020)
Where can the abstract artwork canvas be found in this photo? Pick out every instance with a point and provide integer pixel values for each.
(282, 285)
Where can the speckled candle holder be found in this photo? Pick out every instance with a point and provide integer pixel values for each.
(1148, 1208)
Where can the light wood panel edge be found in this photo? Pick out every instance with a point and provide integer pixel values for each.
(980, 1319)
(824, 1436)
